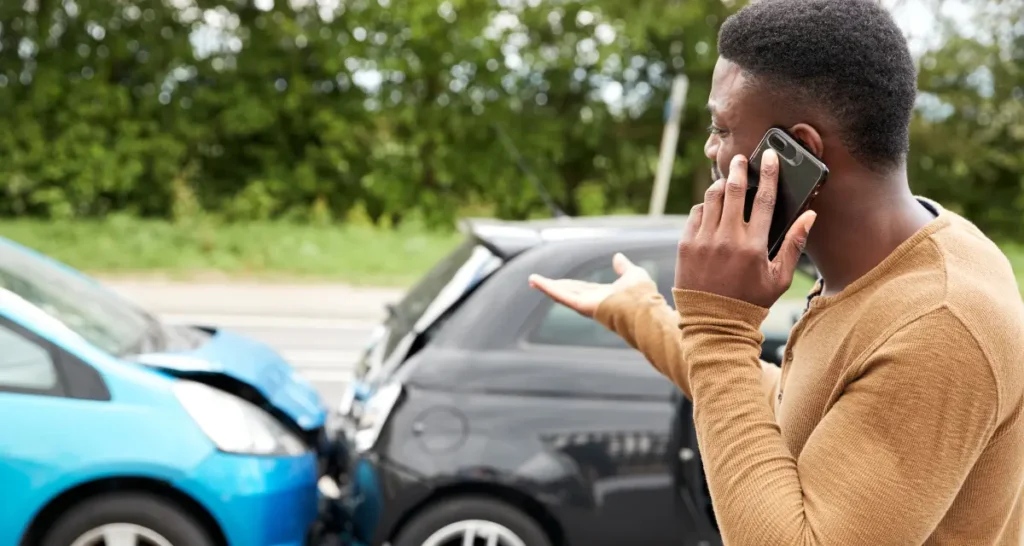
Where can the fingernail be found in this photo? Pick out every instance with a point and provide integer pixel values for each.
(814, 216)
(769, 157)
(740, 160)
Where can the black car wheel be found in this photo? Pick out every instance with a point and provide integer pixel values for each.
(131, 518)
(478, 521)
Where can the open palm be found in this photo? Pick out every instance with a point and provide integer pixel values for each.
(584, 297)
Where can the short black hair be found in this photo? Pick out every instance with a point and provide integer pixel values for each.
(847, 57)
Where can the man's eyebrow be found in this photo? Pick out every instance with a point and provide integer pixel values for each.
(710, 107)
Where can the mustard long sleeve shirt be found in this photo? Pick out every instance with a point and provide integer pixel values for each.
(895, 418)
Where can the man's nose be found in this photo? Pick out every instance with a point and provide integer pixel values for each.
(711, 147)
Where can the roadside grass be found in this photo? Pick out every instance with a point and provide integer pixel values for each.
(360, 255)
(354, 254)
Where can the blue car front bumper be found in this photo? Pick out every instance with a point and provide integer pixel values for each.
(258, 501)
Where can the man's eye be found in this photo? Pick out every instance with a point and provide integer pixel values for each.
(715, 130)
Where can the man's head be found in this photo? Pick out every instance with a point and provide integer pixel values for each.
(836, 73)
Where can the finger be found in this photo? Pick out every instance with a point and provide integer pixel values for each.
(735, 193)
(767, 192)
(559, 290)
(560, 285)
(693, 222)
(570, 292)
(621, 264)
(789, 255)
(712, 207)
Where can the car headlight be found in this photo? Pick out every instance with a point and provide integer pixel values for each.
(235, 425)
(374, 416)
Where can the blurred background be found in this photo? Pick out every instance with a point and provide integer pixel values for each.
(341, 139)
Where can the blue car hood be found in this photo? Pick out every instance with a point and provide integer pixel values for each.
(250, 362)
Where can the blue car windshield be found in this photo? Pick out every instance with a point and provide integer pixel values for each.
(102, 318)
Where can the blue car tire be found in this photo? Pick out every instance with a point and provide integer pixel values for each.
(448, 521)
(118, 512)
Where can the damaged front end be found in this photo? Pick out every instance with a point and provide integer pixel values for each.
(257, 374)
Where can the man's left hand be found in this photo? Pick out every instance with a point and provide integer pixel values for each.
(722, 254)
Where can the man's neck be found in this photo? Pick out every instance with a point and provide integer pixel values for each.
(852, 236)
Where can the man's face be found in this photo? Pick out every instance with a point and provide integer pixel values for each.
(739, 118)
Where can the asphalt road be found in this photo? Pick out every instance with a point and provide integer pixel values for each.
(318, 328)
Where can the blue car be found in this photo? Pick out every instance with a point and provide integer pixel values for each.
(117, 429)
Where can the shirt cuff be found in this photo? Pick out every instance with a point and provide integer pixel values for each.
(641, 295)
(704, 308)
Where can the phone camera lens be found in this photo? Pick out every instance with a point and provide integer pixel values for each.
(777, 143)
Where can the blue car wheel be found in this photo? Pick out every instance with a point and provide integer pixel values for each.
(128, 518)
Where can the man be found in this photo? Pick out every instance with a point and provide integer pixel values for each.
(896, 415)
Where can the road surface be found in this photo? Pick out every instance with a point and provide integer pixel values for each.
(318, 328)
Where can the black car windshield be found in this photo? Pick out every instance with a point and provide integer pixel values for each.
(85, 307)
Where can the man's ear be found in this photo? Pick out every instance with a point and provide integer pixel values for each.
(810, 137)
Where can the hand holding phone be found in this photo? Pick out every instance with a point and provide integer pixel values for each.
(801, 175)
(723, 251)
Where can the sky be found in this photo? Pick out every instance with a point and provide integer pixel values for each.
(918, 21)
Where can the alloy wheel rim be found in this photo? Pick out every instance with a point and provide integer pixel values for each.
(121, 534)
(474, 531)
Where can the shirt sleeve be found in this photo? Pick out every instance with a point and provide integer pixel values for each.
(882, 466)
(642, 317)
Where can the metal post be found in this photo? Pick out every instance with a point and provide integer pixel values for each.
(669, 139)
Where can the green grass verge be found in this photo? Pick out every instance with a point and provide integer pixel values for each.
(266, 250)
(354, 254)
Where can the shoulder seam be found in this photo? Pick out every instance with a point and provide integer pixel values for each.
(988, 364)
(970, 331)
(860, 361)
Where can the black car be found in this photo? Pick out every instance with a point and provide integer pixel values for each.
(485, 414)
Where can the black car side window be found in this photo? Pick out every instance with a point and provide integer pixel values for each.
(563, 326)
(25, 366)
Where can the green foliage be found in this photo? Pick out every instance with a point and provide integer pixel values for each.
(124, 245)
(969, 140)
(388, 111)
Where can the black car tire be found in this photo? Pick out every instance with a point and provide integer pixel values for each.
(166, 519)
(446, 512)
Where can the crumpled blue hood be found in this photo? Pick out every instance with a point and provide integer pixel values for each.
(253, 363)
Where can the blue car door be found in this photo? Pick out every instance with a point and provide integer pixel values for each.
(44, 398)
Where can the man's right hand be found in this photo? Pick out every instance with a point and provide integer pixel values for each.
(585, 297)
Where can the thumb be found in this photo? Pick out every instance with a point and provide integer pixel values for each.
(789, 255)
(621, 263)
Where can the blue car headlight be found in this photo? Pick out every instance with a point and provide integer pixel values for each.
(235, 425)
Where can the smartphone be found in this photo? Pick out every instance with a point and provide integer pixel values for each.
(801, 176)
